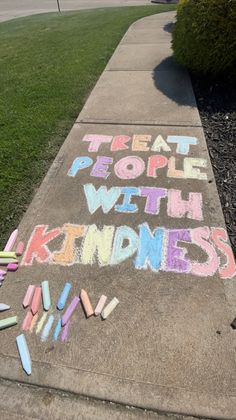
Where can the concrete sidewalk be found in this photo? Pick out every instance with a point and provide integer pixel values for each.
(158, 244)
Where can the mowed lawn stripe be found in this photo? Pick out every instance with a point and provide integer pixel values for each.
(48, 65)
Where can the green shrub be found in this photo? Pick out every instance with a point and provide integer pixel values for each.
(204, 37)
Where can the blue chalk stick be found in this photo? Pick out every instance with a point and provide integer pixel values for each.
(57, 330)
(63, 297)
(46, 295)
(47, 328)
(24, 353)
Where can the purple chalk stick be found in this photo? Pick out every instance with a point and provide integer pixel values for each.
(69, 311)
(12, 267)
(64, 334)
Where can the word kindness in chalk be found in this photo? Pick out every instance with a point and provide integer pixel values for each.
(158, 249)
(131, 167)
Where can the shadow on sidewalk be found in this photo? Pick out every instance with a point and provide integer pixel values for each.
(174, 82)
(169, 27)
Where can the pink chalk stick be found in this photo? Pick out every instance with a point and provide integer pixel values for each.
(35, 304)
(28, 296)
(27, 321)
(20, 248)
(69, 311)
(11, 241)
(3, 273)
(65, 330)
(12, 267)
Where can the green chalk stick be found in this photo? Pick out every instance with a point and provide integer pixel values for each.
(5, 254)
(8, 322)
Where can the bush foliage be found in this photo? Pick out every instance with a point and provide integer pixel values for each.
(204, 37)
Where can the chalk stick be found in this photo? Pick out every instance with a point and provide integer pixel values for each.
(11, 241)
(4, 307)
(20, 248)
(41, 322)
(33, 322)
(65, 330)
(69, 311)
(12, 267)
(86, 303)
(47, 328)
(9, 254)
(100, 305)
(6, 261)
(46, 295)
(57, 330)
(8, 322)
(24, 353)
(27, 321)
(35, 304)
(28, 296)
(63, 296)
(109, 308)
(3, 273)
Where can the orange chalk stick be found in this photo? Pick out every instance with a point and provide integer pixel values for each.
(27, 321)
(86, 303)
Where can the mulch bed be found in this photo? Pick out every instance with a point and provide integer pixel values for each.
(217, 106)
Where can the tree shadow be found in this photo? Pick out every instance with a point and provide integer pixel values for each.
(173, 81)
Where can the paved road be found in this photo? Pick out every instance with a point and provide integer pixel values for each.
(16, 8)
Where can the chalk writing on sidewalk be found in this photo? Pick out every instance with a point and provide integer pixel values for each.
(160, 249)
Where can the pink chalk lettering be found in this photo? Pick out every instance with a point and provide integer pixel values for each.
(200, 237)
(155, 162)
(219, 236)
(129, 167)
(37, 246)
(119, 143)
(96, 140)
(177, 207)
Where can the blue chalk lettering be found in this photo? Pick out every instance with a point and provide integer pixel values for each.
(103, 197)
(127, 206)
(183, 143)
(79, 163)
(150, 248)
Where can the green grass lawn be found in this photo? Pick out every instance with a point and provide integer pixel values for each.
(48, 65)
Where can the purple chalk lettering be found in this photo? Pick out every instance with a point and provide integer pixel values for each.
(154, 196)
(101, 166)
(175, 254)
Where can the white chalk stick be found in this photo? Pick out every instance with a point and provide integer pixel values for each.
(100, 305)
(109, 308)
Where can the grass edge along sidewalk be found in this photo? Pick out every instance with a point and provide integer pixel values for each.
(48, 65)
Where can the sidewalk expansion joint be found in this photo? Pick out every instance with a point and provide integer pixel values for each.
(137, 124)
(77, 396)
